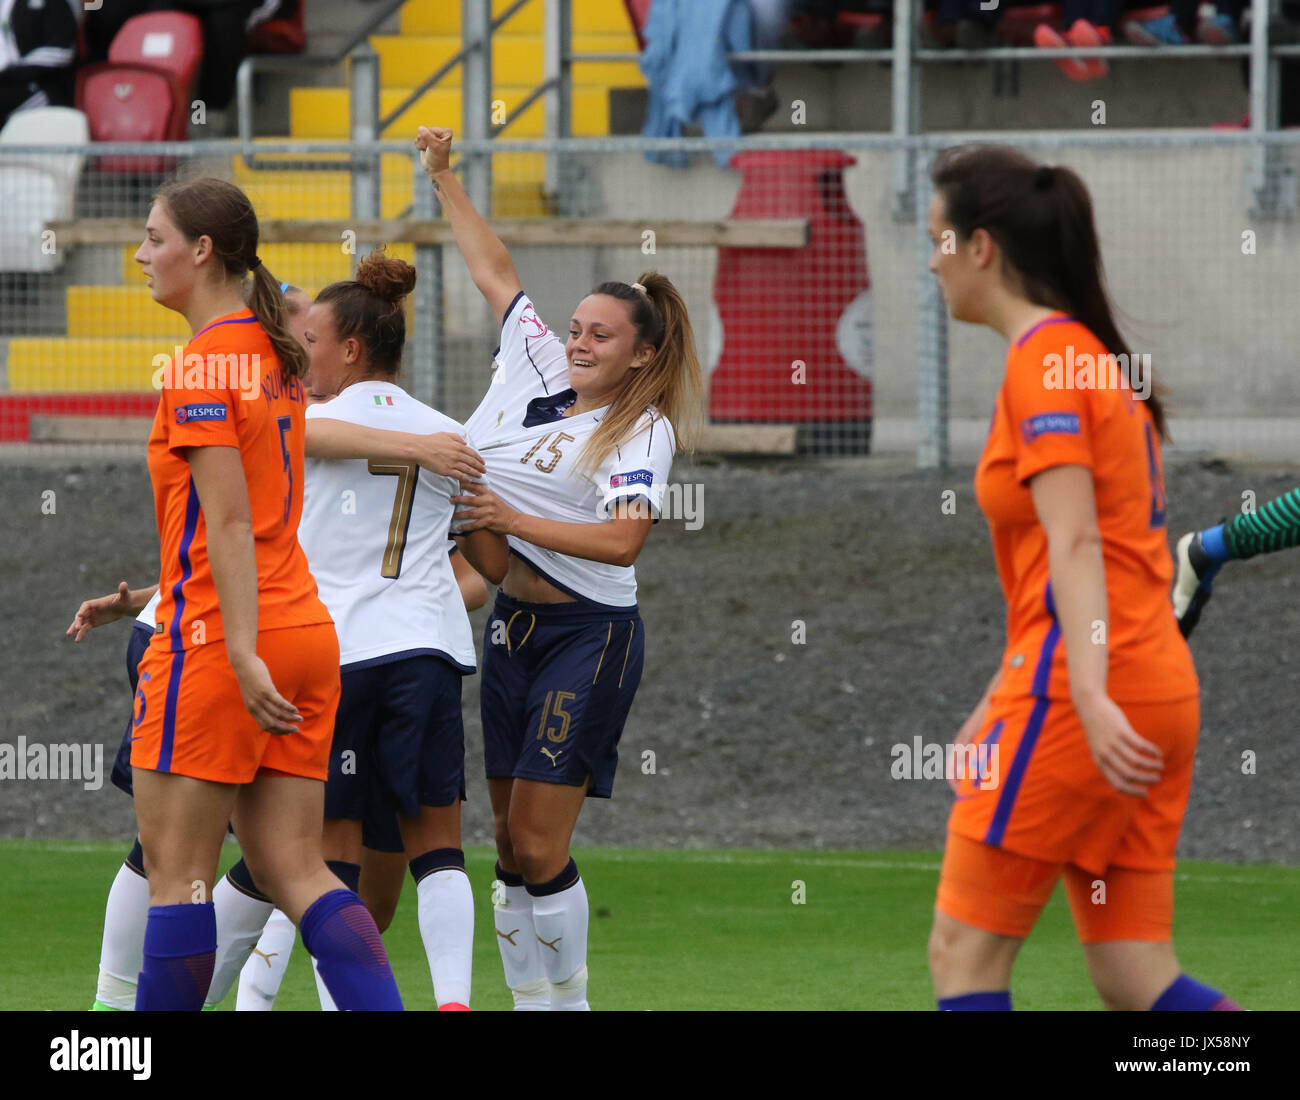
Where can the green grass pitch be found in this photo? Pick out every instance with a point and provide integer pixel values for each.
(698, 930)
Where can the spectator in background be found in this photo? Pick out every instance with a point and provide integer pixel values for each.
(691, 80)
(961, 23)
(1088, 24)
(1184, 21)
(38, 54)
(771, 17)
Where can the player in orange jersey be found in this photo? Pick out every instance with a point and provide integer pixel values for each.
(238, 688)
(1093, 712)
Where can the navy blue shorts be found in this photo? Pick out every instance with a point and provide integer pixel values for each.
(400, 721)
(558, 683)
(380, 831)
(135, 647)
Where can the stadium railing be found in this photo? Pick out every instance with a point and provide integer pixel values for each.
(1207, 283)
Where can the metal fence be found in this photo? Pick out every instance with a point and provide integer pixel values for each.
(808, 292)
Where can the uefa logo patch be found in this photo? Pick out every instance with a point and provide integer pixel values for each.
(1054, 423)
(186, 413)
(636, 477)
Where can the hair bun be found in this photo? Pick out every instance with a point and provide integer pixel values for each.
(386, 276)
(1044, 177)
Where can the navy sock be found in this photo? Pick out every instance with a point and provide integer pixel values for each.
(437, 859)
(509, 878)
(135, 859)
(342, 937)
(1188, 995)
(347, 873)
(180, 950)
(562, 881)
(977, 1002)
(242, 879)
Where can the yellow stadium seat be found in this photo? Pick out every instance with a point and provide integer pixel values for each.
(443, 17)
(121, 311)
(85, 364)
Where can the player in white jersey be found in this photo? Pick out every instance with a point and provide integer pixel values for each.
(376, 534)
(578, 441)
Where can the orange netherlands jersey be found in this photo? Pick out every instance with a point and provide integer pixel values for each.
(1062, 404)
(228, 391)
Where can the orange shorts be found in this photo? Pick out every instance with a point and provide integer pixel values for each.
(190, 718)
(1046, 798)
(1002, 892)
(1045, 809)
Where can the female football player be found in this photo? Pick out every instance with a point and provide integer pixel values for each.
(1094, 709)
(382, 567)
(126, 911)
(215, 739)
(578, 441)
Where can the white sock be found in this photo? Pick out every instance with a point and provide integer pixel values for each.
(519, 949)
(326, 1001)
(122, 953)
(560, 921)
(259, 981)
(240, 920)
(445, 907)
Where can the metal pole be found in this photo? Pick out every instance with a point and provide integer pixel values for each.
(476, 104)
(426, 345)
(364, 127)
(1264, 190)
(559, 100)
(244, 98)
(932, 451)
(906, 108)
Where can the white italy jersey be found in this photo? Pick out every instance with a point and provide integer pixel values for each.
(148, 614)
(531, 451)
(375, 536)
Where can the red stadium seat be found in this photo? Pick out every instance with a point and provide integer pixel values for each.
(287, 35)
(142, 92)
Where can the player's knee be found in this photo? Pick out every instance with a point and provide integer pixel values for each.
(382, 909)
(1124, 991)
(1117, 994)
(537, 856)
(940, 951)
(505, 849)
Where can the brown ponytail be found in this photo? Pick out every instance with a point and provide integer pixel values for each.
(671, 381)
(369, 307)
(221, 212)
(1041, 217)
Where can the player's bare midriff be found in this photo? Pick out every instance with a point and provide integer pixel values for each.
(522, 582)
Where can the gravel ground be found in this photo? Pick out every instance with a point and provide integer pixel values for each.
(757, 741)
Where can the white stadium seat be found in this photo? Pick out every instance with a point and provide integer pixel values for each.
(37, 190)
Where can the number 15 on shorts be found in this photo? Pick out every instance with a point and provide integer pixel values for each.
(554, 710)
